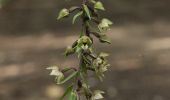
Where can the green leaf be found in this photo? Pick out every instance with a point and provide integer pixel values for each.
(99, 5)
(105, 39)
(63, 13)
(68, 91)
(68, 78)
(73, 95)
(76, 16)
(66, 69)
(86, 9)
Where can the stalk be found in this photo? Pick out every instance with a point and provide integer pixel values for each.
(83, 48)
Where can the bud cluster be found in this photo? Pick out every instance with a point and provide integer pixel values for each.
(92, 24)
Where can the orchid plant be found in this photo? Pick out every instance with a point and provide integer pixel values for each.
(92, 24)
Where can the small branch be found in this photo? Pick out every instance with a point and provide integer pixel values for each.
(87, 31)
(72, 9)
(65, 70)
(79, 85)
(86, 60)
(96, 34)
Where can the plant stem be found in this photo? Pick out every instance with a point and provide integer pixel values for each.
(86, 32)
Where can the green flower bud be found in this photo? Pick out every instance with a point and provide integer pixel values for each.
(99, 5)
(97, 62)
(85, 40)
(63, 13)
(104, 25)
(103, 68)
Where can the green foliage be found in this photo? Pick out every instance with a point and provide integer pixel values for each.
(76, 16)
(73, 95)
(83, 48)
(68, 91)
(86, 10)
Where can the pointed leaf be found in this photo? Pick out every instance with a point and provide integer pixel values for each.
(76, 16)
(105, 39)
(73, 95)
(68, 78)
(86, 9)
(73, 8)
(66, 69)
(68, 91)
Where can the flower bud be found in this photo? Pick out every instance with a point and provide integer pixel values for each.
(63, 13)
(97, 62)
(104, 25)
(99, 5)
(85, 40)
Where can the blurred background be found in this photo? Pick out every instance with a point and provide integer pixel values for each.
(31, 40)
